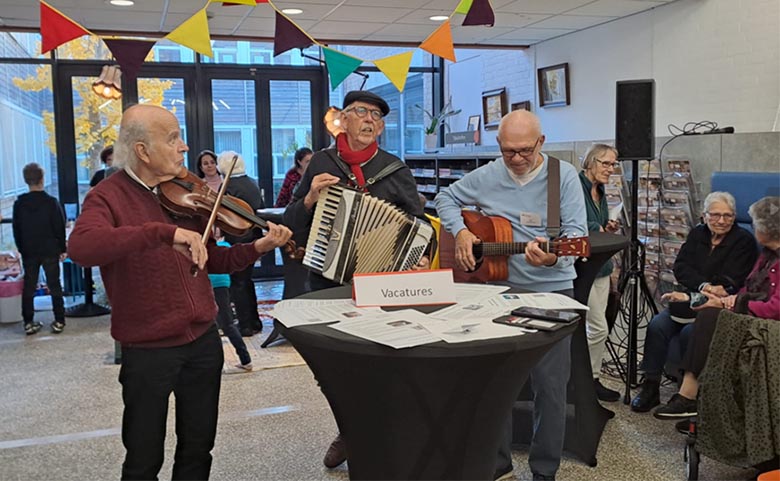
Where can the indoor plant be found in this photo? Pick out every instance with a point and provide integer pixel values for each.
(435, 120)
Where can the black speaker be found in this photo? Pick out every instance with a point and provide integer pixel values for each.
(635, 119)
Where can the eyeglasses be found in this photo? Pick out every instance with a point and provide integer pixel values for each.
(362, 111)
(608, 165)
(525, 153)
(716, 216)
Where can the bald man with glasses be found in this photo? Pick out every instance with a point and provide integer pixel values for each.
(515, 187)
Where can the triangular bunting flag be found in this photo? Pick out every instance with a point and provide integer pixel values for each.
(232, 3)
(396, 68)
(480, 13)
(463, 7)
(288, 35)
(130, 54)
(57, 29)
(340, 65)
(440, 42)
(194, 34)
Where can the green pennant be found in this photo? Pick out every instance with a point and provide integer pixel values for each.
(339, 65)
(464, 6)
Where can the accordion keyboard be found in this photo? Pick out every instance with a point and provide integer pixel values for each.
(353, 232)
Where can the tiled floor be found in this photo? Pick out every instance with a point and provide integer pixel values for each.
(60, 413)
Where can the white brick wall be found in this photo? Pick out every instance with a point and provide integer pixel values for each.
(713, 60)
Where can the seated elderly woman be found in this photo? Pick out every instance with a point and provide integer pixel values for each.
(760, 298)
(716, 258)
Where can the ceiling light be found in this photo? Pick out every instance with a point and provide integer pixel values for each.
(292, 11)
(122, 3)
(438, 18)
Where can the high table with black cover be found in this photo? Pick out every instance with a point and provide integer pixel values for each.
(587, 420)
(429, 412)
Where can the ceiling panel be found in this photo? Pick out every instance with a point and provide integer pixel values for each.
(528, 21)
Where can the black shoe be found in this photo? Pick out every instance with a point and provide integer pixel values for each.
(31, 328)
(504, 473)
(246, 332)
(337, 453)
(677, 407)
(542, 477)
(57, 327)
(604, 393)
(648, 397)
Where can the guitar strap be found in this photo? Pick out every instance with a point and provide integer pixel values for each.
(553, 197)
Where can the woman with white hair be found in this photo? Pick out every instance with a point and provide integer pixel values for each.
(760, 297)
(716, 258)
(599, 163)
(242, 288)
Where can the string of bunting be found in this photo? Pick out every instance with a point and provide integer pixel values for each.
(193, 33)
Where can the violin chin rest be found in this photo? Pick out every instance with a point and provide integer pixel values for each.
(182, 173)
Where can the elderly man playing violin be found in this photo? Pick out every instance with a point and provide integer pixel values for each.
(162, 314)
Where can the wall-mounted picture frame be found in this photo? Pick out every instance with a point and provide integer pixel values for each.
(524, 105)
(494, 107)
(554, 85)
(473, 123)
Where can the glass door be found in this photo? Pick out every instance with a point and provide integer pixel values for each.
(265, 115)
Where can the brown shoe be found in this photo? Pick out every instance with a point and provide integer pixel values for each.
(337, 453)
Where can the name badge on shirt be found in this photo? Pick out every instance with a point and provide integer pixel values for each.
(531, 219)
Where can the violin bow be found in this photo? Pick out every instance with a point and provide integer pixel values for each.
(213, 217)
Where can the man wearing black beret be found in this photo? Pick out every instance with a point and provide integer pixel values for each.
(358, 161)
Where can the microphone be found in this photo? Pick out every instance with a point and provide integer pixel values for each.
(722, 130)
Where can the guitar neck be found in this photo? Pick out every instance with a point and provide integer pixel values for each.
(506, 248)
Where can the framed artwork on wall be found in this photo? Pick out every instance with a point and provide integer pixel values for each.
(524, 105)
(473, 123)
(494, 107)
(554, 85)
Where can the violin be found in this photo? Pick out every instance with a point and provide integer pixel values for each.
(189, 196)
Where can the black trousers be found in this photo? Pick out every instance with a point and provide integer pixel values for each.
(225, 322)
(148, 376)
(699, 343)
(51, 267)
(242, 291)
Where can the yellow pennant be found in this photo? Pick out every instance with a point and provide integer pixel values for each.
(396, 68)
(464, 6)
(251, 3)
(194, 34)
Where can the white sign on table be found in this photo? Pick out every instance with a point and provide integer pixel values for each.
(408, 288)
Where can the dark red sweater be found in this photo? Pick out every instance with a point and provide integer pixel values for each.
(155, 301)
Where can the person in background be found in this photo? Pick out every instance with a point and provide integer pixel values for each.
(107, 157)
(163, 316)
(39, 232)
(221, 285)
(207, 169)
(302, 158)
(716, 258)
(357, 152)
(515, 188)
(599, 163)
(242, 287)
(760, 297)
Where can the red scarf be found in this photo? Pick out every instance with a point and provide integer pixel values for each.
(355, 158)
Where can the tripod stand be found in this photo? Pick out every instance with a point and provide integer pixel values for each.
(633, 288)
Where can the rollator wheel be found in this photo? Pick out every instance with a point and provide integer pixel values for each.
(691, 462)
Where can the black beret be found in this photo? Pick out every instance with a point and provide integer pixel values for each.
(367, 97)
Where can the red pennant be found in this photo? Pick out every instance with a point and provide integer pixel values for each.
(480, 13)
(57, 29)
(289, 36)
(129, 54)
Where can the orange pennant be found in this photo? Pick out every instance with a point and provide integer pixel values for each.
(440, 42)
(57, 29)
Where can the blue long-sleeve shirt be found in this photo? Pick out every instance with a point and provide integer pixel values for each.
(493, 190)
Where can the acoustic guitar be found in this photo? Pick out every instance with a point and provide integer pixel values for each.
(492, 253)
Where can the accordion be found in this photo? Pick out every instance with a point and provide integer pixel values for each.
(353, 232)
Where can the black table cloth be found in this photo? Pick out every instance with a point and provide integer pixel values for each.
(429, 412)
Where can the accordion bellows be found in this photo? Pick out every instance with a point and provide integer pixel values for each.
(353, 232)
